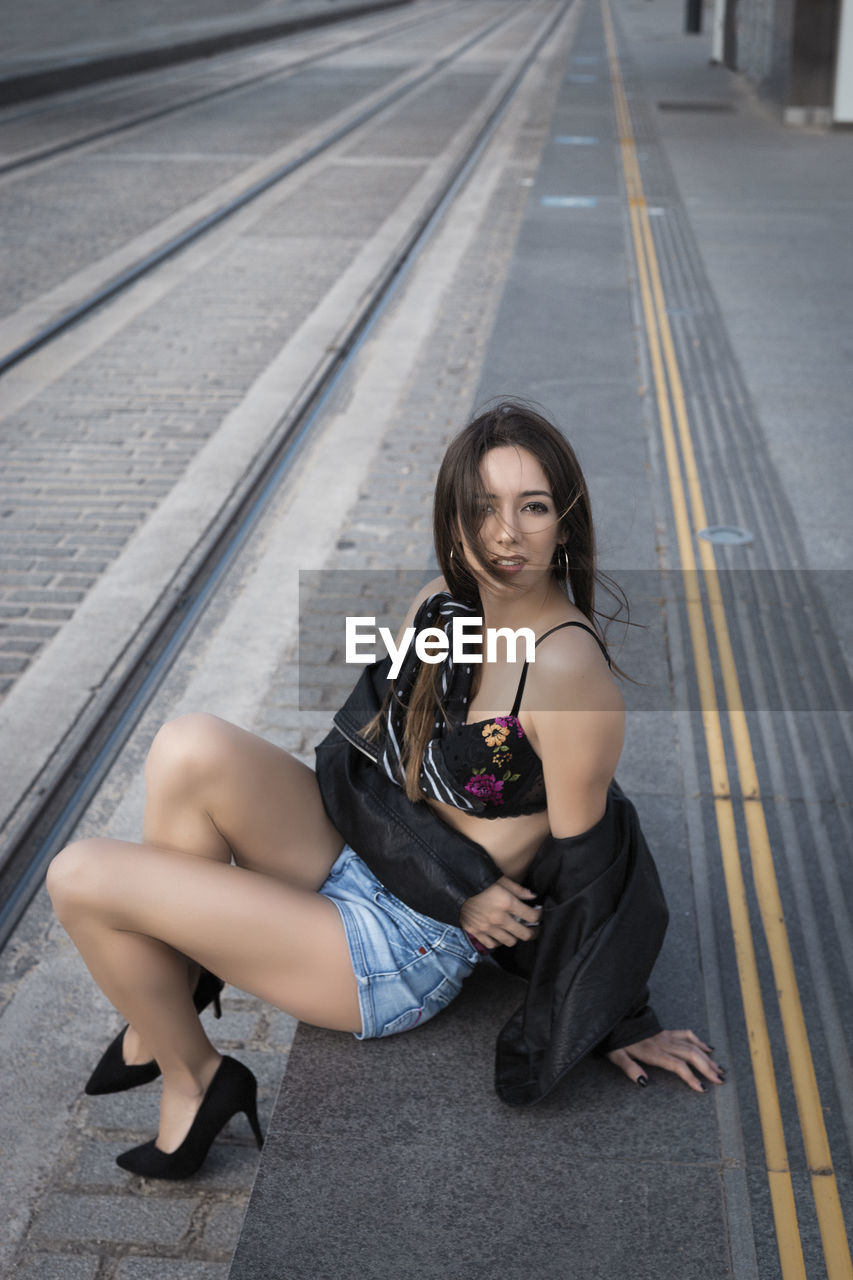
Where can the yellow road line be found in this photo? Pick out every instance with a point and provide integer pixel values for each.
(823, 1182)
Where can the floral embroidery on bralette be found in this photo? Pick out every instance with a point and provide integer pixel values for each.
(485, 786)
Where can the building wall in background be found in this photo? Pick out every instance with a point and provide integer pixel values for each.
(788, 48)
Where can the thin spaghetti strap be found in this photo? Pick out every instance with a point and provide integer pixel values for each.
(520, 690)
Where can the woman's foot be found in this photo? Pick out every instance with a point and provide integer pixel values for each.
(233, 1088)
(179, 1105)
(133, 1051)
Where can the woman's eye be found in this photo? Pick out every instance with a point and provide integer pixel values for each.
(538, 508)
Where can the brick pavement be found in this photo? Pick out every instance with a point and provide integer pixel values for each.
(54, 227)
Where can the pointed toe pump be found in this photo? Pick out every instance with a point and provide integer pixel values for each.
(114, 1075)
(231, 1090)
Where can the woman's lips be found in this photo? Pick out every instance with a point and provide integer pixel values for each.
(508, 565)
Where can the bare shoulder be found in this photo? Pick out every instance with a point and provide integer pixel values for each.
(570, 673)
(577, 717)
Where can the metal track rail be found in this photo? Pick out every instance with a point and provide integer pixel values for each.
(70, 145)
(199, 228)
(150, 656)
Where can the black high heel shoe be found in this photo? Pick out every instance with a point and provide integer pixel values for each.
(114, 1075)
(232, 1089)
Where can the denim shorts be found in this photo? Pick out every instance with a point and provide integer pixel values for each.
(408, 966)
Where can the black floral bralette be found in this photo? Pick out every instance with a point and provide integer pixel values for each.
(488, 768)
(496, 767)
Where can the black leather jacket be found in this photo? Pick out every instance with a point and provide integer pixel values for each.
(603, 920)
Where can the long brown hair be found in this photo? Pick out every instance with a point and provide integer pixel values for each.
(457, 509)
(460, 497)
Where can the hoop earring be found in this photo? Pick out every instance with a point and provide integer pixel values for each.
(562, 569)
(451, 553)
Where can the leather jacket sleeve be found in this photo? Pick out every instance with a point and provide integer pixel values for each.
(603, 922)
(638, 1024)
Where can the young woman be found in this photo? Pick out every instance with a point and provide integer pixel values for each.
(487, 822)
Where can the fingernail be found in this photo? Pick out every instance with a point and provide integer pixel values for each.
(701, 1086)
(642, 1081)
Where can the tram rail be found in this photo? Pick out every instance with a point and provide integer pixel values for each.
(66, 146)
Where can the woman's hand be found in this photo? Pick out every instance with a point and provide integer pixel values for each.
(679, 1051)
(501, 914)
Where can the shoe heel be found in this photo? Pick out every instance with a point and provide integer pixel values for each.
(250, 1111)
(252, 1117)
(208, 989)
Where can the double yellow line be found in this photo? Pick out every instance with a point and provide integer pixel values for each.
(672, 406)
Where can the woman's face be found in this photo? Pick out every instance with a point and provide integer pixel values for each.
(520, 529)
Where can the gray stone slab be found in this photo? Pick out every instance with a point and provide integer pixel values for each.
(578, 169)
(411, 1124)
(569, 333)
(115, 1218)
(55, 1266)
(96, 1166)
(650, 754)
(621, 503)
(223, 1225)
(236, 1027)
(170, 1269)
(230, 1166)
(136, 1111)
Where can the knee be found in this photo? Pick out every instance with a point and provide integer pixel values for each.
(186, 751)
(74, 876)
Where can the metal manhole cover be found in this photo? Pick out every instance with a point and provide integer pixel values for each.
(725, 535)
(673, 105)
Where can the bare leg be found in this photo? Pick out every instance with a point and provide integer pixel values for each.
(213, 791)
(134, 912)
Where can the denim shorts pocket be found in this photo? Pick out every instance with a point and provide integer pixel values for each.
(404, 1022)
(448, 989)
(436, 1000)
(413, 935)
